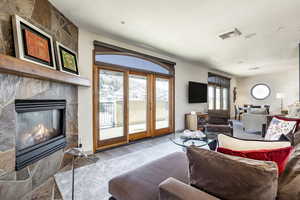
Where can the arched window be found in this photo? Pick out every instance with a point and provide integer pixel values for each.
(134, 62)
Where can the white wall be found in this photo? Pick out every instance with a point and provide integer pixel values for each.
(286, 82)
(184, 72)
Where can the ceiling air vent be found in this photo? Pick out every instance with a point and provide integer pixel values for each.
(230, 34)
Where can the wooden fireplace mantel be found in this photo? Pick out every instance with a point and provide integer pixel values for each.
(16, 66)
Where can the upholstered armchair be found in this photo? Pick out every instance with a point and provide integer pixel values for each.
(254, 122)
(212, 129)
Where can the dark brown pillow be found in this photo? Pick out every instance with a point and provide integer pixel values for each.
(294, 138)
(289, 180)
(232, 178)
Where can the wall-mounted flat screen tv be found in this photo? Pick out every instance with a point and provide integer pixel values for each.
(197, 92)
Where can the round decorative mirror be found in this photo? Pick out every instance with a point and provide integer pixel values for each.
(260, 91)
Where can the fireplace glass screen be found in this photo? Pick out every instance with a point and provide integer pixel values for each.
(37, 127)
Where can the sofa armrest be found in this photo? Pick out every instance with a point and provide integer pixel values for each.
(173, 189)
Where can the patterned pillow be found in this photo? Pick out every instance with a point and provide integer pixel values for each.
(279, 127)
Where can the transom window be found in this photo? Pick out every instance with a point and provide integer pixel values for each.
(132, 62)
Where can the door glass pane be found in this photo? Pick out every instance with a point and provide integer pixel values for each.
(211, 98)
(137, 104)
(162, 103)
(218, 98)
(111, 105)
(225, 99)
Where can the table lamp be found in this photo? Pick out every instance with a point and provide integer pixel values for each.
(281, 97)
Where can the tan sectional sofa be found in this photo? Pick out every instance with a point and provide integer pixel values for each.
(168, 179)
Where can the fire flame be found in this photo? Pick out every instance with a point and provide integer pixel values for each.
(38, 134)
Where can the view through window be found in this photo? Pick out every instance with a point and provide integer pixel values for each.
(137, 103)
(162, 103)
(111, 108)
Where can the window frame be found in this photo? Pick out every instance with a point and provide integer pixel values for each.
(99, 145)
(222, 85)
(221, 98)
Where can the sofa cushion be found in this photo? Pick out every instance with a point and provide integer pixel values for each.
(277, 151)
(230, 177)
(289, 180)
(143, 182)
(238, 144)
(279, 127)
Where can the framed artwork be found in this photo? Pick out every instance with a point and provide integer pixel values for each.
(32, 44)
(67, 59)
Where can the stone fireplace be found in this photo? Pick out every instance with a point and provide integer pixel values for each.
(40, 129)
(34, 177)
(18, 96)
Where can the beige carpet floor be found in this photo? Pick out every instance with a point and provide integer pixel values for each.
(91, 181)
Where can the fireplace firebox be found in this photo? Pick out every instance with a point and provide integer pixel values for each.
(40, 129)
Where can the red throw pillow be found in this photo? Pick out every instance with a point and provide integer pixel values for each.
(280, 156)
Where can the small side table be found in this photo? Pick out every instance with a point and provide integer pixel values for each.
(195, 121)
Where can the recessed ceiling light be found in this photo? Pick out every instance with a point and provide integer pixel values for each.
(122, 22)
(254, 68)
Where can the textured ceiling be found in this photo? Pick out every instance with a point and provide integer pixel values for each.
(189, 29)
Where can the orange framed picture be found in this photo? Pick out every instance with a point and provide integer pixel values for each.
(33, 44)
